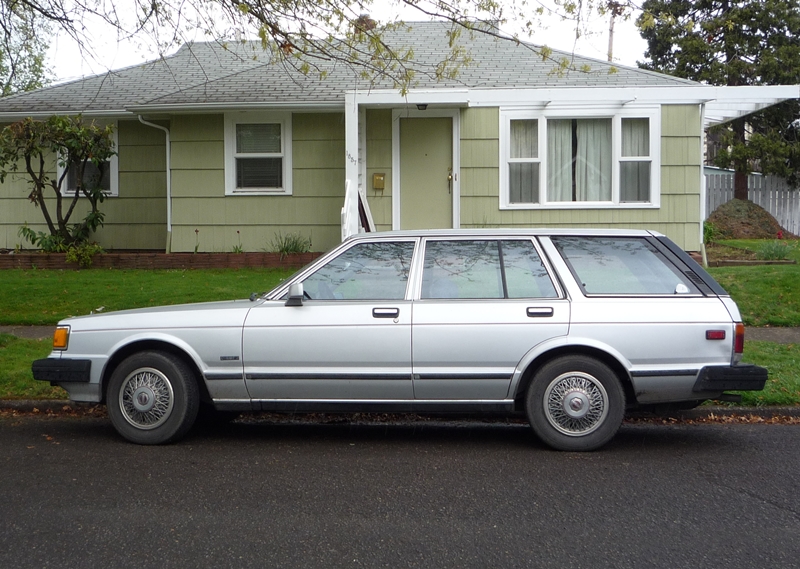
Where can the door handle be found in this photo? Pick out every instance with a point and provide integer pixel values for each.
(385, 312)
(539, 312)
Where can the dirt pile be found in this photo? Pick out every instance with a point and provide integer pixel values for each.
(740, 219)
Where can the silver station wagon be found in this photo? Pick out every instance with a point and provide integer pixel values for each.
(571, 327)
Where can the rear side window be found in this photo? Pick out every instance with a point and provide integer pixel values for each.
(484, 269)
(621, 265)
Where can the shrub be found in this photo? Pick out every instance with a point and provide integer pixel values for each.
(773, 251)
(290, 244)
(83, 253)
(710, 232)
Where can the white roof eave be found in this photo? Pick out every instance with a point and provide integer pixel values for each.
(722, 104)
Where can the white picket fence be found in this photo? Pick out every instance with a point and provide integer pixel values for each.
(771, 193)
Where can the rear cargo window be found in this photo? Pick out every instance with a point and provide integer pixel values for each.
(621, 265)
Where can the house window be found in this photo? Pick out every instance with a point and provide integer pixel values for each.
(108, 179)
(553, 160)
(258, 153)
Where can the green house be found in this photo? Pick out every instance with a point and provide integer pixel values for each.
(218, 148)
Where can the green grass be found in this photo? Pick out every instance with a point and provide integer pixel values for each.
(43, 297)
(16, 380)
(767, 295)
(793, 246)
(783, 362)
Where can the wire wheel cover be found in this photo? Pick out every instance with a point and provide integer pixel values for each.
(146, 398)
(575, 403)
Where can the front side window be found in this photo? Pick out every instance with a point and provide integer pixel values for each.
(484, 269)
(367, 271)
(561, 161)
(623, 265)
(257, 153)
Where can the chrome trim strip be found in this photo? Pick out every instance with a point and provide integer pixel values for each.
(664, 373)
(467, 376)
(214, 376)
(393, 401)
(328, 376)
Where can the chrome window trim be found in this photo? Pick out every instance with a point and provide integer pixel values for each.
(420, 253)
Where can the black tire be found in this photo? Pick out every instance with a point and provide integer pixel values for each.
(575, 403)
(152, 398)
(209, 417)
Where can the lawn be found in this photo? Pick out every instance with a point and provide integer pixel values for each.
(43, 297)
(16, 381)
(766, 295)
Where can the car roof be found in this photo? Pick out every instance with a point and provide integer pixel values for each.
(504, 232)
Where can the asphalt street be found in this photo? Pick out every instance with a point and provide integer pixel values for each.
(261, 494)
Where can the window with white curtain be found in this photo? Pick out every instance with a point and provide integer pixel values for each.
(258, 153)
(556, 160)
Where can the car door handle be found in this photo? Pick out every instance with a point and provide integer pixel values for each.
(385, 312)
(539, 312)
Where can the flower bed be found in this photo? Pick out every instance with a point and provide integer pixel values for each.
(153, 260)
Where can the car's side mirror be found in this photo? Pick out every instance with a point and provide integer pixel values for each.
(295, 295)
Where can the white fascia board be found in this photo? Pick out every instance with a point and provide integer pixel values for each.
(722, 103)
(393, 97)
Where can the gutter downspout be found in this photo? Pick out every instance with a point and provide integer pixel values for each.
(169, 182)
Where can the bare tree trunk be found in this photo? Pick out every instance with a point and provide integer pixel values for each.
(740, 185)
(740, 165)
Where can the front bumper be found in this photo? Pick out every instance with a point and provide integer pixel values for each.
(742, 377)
(57, 370)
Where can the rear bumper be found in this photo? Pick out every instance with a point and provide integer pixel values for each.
(56, 370)
(743, 377)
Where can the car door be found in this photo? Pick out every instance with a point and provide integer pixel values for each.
(349, 340)
(483, 304)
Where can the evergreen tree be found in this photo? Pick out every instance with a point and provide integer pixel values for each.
(729, 42)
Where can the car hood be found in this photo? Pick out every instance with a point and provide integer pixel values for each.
(204, 314)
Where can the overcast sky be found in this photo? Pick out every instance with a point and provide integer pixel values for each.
(67, 61)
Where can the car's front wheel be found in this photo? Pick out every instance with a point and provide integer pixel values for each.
(152, 398)
(575, 403)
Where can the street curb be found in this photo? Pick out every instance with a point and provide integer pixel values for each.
(65, 405)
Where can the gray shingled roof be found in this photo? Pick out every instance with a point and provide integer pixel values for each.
(208, 73)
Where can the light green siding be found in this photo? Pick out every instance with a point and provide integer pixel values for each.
(678, 216)
(136, 219)
(206, 219)
(379, 161)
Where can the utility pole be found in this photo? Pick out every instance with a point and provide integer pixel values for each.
(615, 9)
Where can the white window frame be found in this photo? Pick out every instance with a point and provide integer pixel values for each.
(616, 114)
(231, 120)
(113, 165)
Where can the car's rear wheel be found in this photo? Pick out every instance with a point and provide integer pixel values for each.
(152, 398)
(575, 403)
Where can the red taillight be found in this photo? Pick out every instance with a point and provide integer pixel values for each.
(738, 342)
